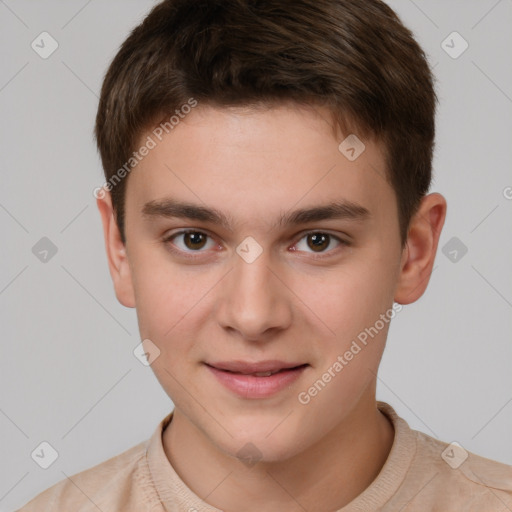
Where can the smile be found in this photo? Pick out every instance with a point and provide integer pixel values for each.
(257, 384)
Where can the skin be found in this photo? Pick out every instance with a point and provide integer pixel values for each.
(295, 302)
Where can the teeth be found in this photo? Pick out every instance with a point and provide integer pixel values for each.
(264, 374)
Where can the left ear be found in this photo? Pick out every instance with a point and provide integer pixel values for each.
(420, 249)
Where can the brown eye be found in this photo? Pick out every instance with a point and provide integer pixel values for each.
(194, 240)
(190, 241)
(318, 241)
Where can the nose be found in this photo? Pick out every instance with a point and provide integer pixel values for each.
(255, 301)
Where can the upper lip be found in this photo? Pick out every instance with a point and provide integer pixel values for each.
(255, 367)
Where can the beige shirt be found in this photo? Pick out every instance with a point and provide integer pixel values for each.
(417, 477)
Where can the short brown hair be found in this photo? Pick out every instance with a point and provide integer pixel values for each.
(353, 56)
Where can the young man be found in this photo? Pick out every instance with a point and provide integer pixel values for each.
(266, 213)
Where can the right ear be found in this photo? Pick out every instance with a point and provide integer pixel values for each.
(116, 252)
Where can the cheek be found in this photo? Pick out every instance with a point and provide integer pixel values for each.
(345, 300)
(168, 301)
(172, 303)
(349, 301)
(164, 294)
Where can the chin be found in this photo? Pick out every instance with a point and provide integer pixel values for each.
(261, 448)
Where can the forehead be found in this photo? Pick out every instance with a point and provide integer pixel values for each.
(257, 163)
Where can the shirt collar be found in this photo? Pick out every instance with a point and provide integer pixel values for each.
(176, 496)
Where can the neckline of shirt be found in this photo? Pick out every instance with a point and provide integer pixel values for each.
(175, 495)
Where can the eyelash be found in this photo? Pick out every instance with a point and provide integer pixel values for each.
(191, 255)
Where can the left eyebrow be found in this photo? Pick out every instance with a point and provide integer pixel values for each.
(334, 210)
(170, 208)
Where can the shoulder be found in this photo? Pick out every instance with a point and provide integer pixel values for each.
(463, 477)
(455, 459)
(115, 484)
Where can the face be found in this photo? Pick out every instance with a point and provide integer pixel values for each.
(252, 238)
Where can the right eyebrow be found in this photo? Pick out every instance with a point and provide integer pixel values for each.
(172, 208)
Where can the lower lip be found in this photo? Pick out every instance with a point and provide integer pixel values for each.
(250, 386)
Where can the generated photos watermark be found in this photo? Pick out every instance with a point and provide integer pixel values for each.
(355, 348)
(151, 142)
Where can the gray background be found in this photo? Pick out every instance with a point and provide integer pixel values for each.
(67, 372)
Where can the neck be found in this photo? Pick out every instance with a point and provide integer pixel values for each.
(326, 476)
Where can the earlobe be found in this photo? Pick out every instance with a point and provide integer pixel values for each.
(420, 250)
(116, 253)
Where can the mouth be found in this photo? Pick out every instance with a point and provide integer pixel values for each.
(258, 369)
(256, 380)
